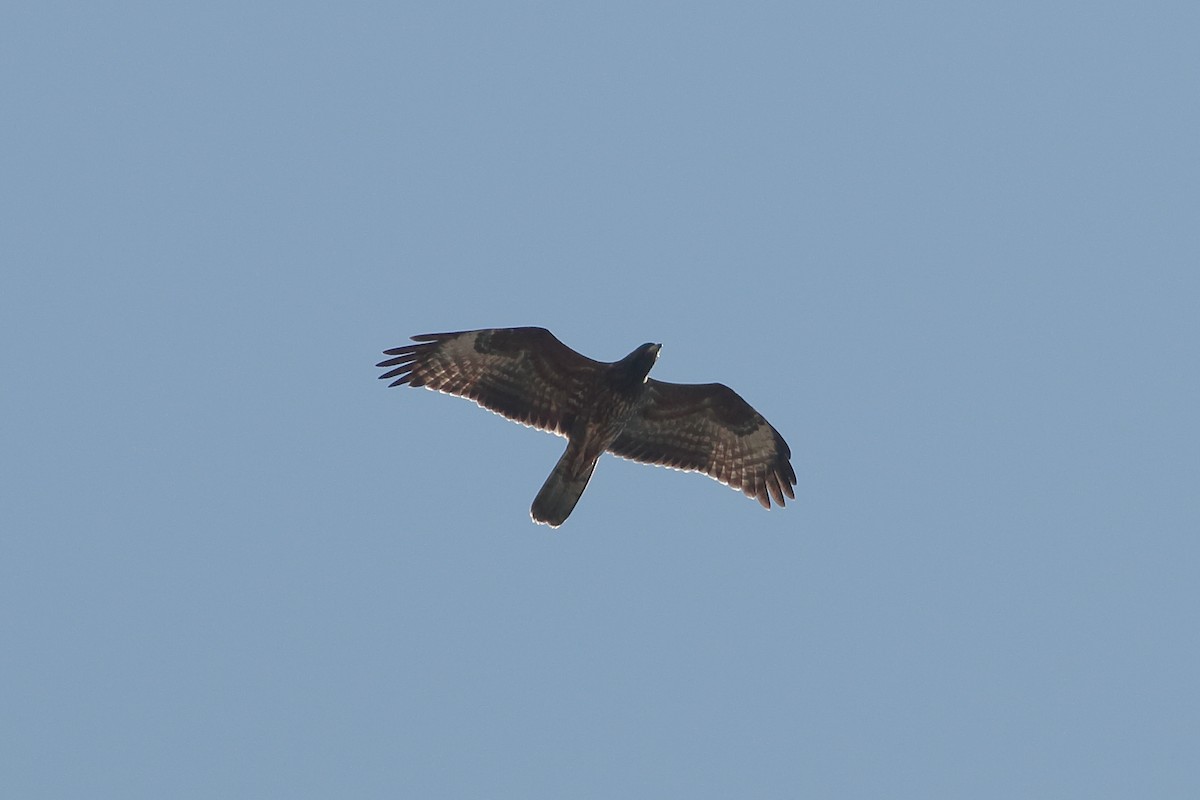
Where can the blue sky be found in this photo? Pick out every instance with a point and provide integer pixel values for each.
(949, 250)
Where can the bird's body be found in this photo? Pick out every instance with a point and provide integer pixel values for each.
(616, 394)
(529, 376)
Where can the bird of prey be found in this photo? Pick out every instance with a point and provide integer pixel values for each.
(529, 376)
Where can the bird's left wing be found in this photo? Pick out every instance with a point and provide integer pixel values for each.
(525, 374)
(709, 428)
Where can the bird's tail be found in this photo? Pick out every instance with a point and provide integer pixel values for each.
(561, 491)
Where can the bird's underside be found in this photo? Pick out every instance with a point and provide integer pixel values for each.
(529, 376)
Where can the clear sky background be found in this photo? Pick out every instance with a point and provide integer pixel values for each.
(950, 250)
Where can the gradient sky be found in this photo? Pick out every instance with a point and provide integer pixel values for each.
(950, 250)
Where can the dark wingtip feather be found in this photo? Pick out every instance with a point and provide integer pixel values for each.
(763, 499)
(773, 488)
(787, 485)
(397, 371)
(406, 349)
(402, 363)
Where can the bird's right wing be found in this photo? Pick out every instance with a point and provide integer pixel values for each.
(524, 374)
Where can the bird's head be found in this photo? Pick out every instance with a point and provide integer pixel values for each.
(640, 361)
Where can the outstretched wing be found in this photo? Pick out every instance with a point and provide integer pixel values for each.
(525, 374)
(709, 428)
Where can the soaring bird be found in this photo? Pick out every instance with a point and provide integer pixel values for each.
(529, 376)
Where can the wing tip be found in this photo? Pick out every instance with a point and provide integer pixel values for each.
(403, 363)
(435, 337)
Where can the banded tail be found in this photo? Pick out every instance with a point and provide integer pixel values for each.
(562, 490)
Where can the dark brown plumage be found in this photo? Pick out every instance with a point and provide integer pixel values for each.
(528, 375)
